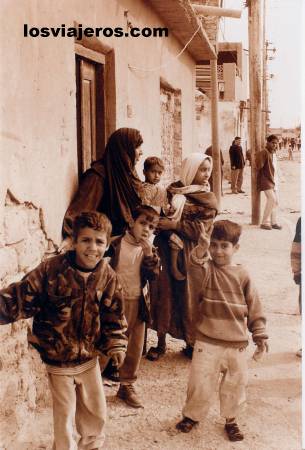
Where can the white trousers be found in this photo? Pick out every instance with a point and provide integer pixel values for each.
(208, 364)
(272, 201)
(80, 397)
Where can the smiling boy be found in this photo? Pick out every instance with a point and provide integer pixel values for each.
(77, 306)
(228, 305)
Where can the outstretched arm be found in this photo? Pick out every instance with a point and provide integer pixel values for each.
(199, 254)
(21, 300)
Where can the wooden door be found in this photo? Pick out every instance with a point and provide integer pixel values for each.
(90, 112)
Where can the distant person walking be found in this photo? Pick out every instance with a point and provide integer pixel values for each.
(237, 166)
(290, 152)
(266, 182)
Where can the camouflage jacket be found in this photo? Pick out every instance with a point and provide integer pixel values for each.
(74, 320)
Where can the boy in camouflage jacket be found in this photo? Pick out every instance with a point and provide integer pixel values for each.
(77, 306)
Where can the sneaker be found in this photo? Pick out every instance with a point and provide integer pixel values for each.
(266, 227)
(233, 432)
(128, 394)
(275, 226)
(186, 425)
(241, 191)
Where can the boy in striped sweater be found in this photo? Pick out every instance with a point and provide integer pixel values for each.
(228, 304)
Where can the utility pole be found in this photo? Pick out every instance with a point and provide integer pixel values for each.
(265, 103)
(217, 12)
(215, 135)
(255, 75)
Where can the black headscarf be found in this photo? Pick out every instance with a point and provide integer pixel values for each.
(122, 186)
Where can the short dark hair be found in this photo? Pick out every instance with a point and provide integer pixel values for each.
(91, 219)
(272, 137)
(236, 137)
(145, 210)
(226, 230)
(153, 161)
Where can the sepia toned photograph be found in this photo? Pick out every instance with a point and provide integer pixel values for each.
(150, 224)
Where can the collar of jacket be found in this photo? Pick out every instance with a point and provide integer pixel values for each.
(70, 259)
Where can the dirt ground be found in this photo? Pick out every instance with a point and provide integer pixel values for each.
(271, 419)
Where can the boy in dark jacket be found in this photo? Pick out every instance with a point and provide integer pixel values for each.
(237, 161)
(76, 302)
(266, 177)
(136, 262)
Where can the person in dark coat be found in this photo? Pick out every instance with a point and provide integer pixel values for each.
(111, 185)
(266, 183)
(237, 166)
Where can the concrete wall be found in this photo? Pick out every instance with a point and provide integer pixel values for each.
(229, 125)
(23, 381)
(38, 124)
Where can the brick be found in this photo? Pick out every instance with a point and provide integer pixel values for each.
(8, 262)
(15, 224)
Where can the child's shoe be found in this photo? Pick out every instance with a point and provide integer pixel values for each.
(128, 394)
(233, 431)
(186, 425)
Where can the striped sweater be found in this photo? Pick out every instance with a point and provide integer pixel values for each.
(228, 305)
(296, 253)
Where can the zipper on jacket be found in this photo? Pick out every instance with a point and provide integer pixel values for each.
(85, 290)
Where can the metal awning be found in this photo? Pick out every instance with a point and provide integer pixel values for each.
(182, 21)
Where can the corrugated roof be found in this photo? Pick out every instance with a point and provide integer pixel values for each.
(182, 21)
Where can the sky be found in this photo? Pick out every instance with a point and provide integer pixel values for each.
(284, 29)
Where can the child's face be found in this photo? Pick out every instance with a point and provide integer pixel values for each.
(143, 228)
(90, 247)
(203, 173)
(222, 251)
(153, 175)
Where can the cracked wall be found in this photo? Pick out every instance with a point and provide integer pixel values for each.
(23, 244)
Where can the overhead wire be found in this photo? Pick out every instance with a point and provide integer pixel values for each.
(152, 69)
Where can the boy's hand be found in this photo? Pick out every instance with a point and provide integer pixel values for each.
(262, 348)
(118, 358)
(204, 240)
(146, 246)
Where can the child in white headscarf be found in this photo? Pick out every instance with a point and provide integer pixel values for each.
(172, 301)
(189, 169)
